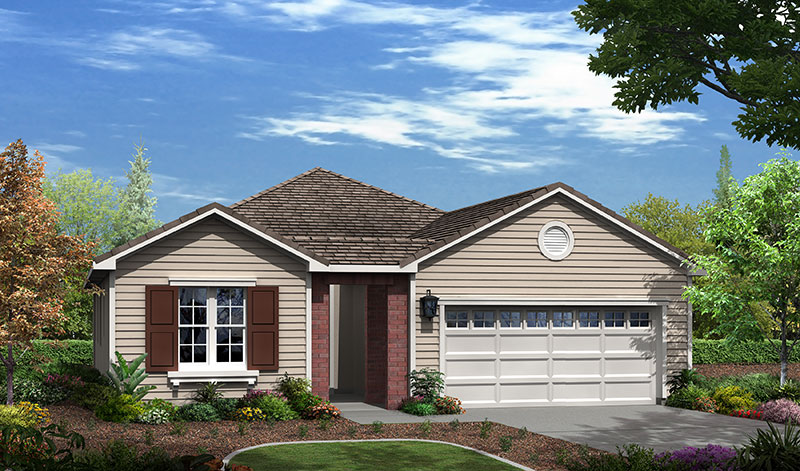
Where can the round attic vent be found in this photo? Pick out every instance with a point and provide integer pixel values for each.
(555, 240)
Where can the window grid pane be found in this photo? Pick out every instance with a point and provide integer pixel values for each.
(483, 319)
(457, 319)
(640, 319)
(511, 319)
(192, 325)
(615, 319)
(589, 319)
(230, 325)
(537, 319)
(562, 319)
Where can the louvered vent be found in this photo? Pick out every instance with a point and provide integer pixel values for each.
(556, 241)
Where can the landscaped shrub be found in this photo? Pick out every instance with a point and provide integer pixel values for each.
(48, 356)
(31, 448)
(119, 456)
(721, 351)
(417, 405)
(427, 382)
(628, 458)
(161, 404)
(119, 408)
(789, 390)
(248, 414)
(39, 392)
(208, 393)
(198, 412)
(448, 405)
(304, 402)
(324, 411)
(771, 450)
(760, 385)
(747, 414)
(731, 398)
(87, 373)
(292, 387)
(65, 381)
(710, 457)
(23, 414)
(225, 407)
(705, 404)
(683, 379)
(780, 411)
(93, 395)
(154, 417)
(127, 376)
(684, 398)
(274, 407)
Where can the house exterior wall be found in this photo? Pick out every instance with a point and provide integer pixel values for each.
(505, 261)
(211, 249)
(100, 340)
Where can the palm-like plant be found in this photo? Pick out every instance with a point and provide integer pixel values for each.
(127, 376)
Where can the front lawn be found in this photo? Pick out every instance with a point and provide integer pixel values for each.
(367, 456)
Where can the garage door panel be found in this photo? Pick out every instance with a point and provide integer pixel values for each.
(473, 393)
(621, 391)
(471, 343)
(620, 366)
(575, 343)
(573, 391)
(471, 368)
(523, 367)
(572, 368)
(525, 392)
(519, 343)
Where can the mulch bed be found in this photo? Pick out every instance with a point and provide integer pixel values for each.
(737, 369)
(221, 438)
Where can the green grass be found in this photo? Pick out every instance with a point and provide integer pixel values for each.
(396, 455)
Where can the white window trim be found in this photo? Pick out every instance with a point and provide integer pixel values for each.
(212, 282)
(570, 240)
(237, 376)
(211, 367)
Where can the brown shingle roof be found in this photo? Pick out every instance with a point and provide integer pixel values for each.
(323, 203)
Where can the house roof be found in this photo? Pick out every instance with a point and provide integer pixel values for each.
(332, 219)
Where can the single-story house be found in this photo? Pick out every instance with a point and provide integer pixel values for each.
(545, 297)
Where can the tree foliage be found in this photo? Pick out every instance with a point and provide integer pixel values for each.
(679, 225)
(661, 51)
(725, 180)
(756, 261)
(136, 214)
(36, 261)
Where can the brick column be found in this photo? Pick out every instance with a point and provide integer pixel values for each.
(376, 358)
(320, 336)
(397, 341)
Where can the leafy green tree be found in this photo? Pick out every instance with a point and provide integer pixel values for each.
(745, 50)
(756, 261)
(136, 205)
(679, 225)
(725, 180)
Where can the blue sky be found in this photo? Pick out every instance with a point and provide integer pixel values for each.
(449, 103)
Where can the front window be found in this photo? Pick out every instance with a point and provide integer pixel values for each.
(225, 347)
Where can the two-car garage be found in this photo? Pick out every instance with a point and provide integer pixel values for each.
(538, 355)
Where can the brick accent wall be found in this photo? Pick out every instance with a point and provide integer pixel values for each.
(397, 341)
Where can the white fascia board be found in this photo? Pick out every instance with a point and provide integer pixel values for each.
(111, 262)
(347, 268)
(538, 200)
(530, 301)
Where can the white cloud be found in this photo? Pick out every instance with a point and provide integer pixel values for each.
(75, 133)
(52, 154)
(167, 186)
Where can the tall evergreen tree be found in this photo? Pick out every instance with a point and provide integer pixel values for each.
(136, 206)
(725, 180)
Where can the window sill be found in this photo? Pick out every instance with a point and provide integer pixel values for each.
(235, 376)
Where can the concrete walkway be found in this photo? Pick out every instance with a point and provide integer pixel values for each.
(604, 427)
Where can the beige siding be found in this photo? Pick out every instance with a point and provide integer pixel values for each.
(606, 261)
(212, 249)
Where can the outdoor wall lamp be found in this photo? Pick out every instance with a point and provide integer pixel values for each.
(428, 305)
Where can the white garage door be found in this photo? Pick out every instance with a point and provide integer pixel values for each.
(507, 356)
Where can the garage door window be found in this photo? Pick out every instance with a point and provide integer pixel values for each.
(512, 319)
(615, 319)
(483, 320)
(589, 319)
(537, 319)
(562, 319)
(457, 319)
(640, 319)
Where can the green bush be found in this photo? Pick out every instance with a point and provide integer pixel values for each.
(18, 416)
(208, 393)
(274, 408)
(38, 391)
(706, 351)
(628, 458)
(198, 412)
(789, 390)
(771, 450)
(685, 398)
(225, 407)
(731, 398)
(293, 387)
(93, 395)
(427, 382)
(119, 456)
(161, 405)
(419, 408)
(154, 417)
(120, 408)
(44, 356)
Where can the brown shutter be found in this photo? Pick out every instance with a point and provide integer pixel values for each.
(262, 328)
(161, 328)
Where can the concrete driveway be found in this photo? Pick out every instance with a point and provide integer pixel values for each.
(604, 427)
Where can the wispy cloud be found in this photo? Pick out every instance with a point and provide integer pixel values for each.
(53, 155)
(167, 186)
(75, 133)
(509, 71)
